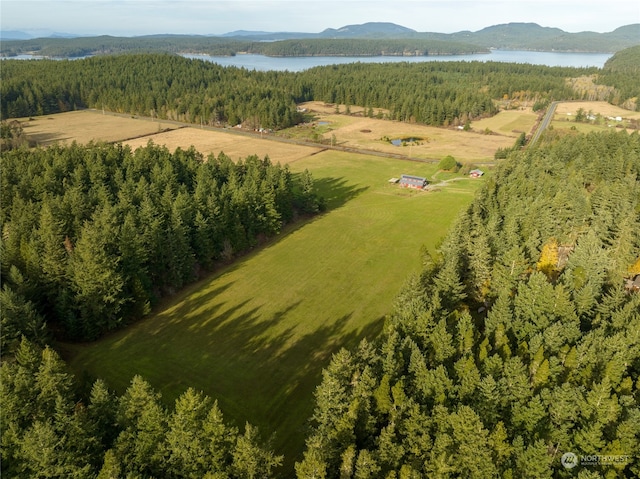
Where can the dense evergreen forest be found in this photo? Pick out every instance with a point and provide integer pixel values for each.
(172, 87)
(79, 47)
(49, 432)
(519, 342)
(93, 236)
(622, 71)
(516, 344)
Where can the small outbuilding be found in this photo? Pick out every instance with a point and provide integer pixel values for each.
(633, 285)
(476, 173)
(410, 181)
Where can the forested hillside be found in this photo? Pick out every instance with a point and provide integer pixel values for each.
(365, 48)
(172, 87)
(517, 344)
(106, 45)
(622, 71)
(375, 38)
(93, 236)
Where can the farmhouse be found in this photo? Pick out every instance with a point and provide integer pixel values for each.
(409, 181)
(476, 173)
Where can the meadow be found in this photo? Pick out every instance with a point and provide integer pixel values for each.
(358, 131)
(256, 334)
(84, 126)
(234, 145)
(355, 131)
(565, 116)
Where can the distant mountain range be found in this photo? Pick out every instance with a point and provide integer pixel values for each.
(19, 35)
(513, 36)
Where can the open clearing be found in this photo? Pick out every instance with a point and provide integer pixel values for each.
(434, 143)
(607, 116)
(601, 107)
(356, 132)
(88, 125)
(235, 146)
(508, 122)
(257, 334)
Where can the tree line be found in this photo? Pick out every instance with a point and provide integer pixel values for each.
(93, 236)
(221, 46)
(363, 47)
(516, 344)
(196, 91)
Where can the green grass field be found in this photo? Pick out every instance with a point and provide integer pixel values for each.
(257, 334)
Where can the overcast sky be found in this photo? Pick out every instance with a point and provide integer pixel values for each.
(142, 17)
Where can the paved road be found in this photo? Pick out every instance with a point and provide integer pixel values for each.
(548, 116)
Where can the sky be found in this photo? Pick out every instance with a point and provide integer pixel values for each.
(204, 17)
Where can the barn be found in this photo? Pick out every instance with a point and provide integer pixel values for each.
(410, 181)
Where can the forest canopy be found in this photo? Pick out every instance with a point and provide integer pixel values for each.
(92, 236)
(79, 47)
(516, 344)
(196, 91)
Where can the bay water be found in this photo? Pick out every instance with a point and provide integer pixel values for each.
(296, 64)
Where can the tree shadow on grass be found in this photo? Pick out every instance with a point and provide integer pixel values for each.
(268, 379)
(337, 191)
(261, 368)
(46, 139)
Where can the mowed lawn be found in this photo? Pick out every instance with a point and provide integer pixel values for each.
(257, 334)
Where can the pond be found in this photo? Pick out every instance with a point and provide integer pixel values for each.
(404, 141)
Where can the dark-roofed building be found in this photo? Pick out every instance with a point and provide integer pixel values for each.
(409, 181)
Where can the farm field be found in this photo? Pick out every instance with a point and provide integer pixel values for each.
(234, 146)
(356, 132)
(602, 107)
(432, 143)
(564, 117)
(257, 334)
(89, 125)
(508, 122)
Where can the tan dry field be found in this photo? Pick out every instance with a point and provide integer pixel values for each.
(601, 107)
(435, 143)
(508, 122)
(88, 125)
(235, 146)
(330, 108)
(356, 132)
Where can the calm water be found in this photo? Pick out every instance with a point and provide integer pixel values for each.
(296, 64)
